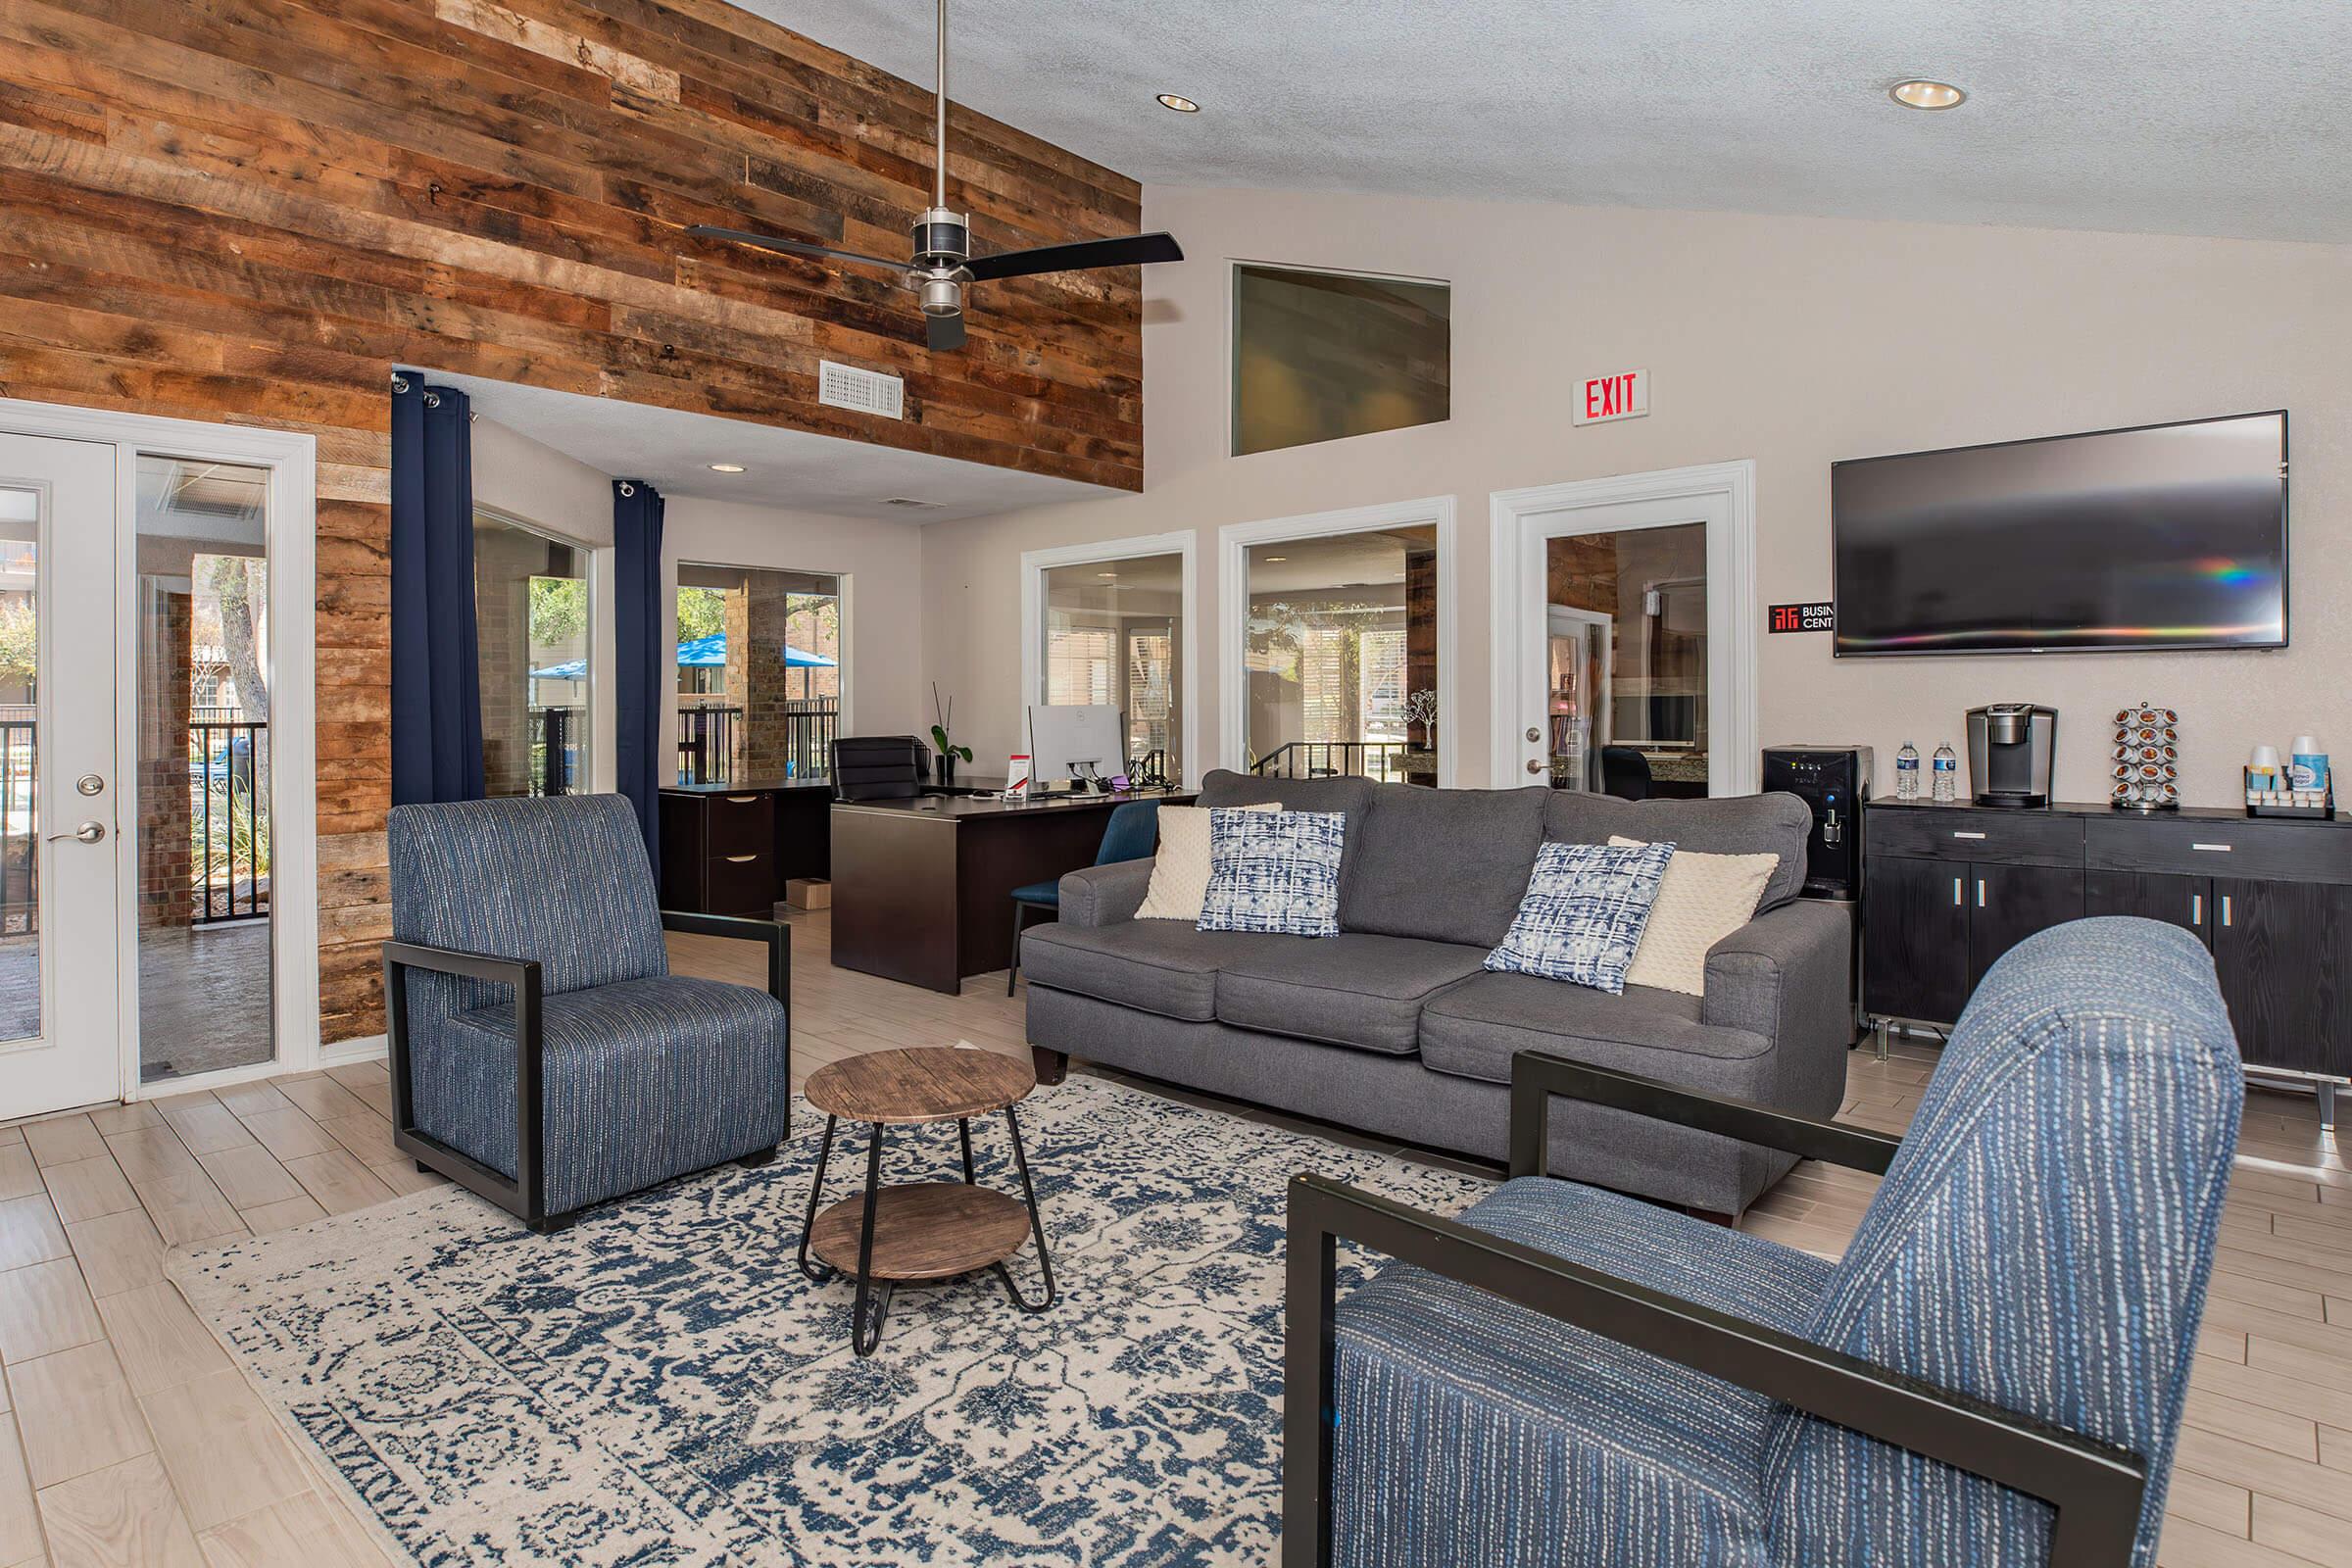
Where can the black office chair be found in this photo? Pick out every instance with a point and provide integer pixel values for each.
(879, 767)
(1624, 773)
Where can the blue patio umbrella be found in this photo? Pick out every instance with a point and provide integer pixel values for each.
(703, 652)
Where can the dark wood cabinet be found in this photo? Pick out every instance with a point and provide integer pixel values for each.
(2183, 901)
(2279, 949)
(730, 849)
(2007, 904)
(1915, 950)
(1949, 889)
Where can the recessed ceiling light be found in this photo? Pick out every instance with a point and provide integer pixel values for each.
(1178, 102)
(1927, 95)
(726, 468)
(1107, 574)
(1271, 560)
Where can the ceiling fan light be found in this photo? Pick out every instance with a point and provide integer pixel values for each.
(1178, 102)
(1924, 94)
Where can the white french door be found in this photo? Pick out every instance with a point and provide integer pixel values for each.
(59, 787)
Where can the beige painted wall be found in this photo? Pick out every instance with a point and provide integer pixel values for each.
(886, 691)
(1791, 341)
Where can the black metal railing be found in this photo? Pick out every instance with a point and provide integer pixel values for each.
(228, 791)
(20, 821)
(558, 738)
(1382, 759)
(716, 742)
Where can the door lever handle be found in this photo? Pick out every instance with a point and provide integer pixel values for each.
(86, 833)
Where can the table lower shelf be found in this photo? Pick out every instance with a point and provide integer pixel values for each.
(923, 1231)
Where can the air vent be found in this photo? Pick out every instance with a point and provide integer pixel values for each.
(845, 386)
(909, 501)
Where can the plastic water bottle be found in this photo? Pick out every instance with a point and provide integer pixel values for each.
(1906, 772)
(1947, 773)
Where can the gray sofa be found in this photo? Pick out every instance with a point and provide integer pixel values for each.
(1393, 1028)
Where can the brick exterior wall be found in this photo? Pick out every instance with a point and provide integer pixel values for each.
(167, 869)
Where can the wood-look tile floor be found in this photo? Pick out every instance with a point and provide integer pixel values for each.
(127, 1438)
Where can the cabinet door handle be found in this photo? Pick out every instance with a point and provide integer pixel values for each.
(1980, 893)
(1957, 901)
(741, 859)
(743, 799)
(2196, 908)
(2224, 909)
(1959, 833)
(2212, 849)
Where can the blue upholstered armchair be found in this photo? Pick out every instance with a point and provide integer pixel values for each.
(542, 1052)
(1993, 1375)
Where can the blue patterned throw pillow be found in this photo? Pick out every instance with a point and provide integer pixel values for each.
(1582, 916)
(1275, 871)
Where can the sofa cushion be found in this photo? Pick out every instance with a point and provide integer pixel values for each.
(1180, 869)
(1349, 990)
(1349, 797)
(1446, 865)
(1556, 1444)
(1584, 911)
(1473, 1030)
(1274, 871)
(1160, 966)
(1732, 824)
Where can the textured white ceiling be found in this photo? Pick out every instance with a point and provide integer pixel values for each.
(2195, 117)
(672, 450)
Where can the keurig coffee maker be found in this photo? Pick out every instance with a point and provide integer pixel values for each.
(2011, 747)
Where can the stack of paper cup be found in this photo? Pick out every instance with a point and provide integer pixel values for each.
(2309, 764)
(2262, 769)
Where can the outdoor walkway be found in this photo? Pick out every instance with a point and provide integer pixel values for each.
(204, 996)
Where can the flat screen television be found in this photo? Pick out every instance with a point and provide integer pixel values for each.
(2168, 536)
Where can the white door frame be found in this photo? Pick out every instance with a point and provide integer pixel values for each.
(292, 542)
(1035, 563)
(1722, 495)
(1233, 604)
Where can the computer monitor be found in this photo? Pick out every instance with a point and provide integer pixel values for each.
(1066, 743)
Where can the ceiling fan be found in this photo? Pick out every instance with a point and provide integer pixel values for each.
(943, 261)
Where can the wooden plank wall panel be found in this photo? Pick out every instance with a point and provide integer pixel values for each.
(250, 210)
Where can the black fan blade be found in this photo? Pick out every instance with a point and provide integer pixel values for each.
(943, 334)
(792, 247)
(1077, 256)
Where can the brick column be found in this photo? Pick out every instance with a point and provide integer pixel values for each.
(167, 860)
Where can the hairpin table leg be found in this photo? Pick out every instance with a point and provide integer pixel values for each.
(817, 1193)
(1037, 1226)
(863, 1339)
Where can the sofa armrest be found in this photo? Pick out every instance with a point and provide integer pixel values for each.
(1104, 895)
(1787, 975)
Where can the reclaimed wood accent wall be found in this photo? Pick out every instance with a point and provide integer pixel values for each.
(249, 211)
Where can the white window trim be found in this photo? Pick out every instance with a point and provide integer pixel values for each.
(1233, 594)
(1721, 494)
(1035, 563)
(293, 535)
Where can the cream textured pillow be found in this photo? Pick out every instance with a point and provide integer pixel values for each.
(1180, 872)
(1703, 898)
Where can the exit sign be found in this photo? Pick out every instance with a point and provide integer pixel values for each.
(1619, 395)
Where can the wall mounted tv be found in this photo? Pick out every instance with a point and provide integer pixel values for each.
(2168, 536)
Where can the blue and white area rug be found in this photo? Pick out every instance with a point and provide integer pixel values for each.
(659, 1385)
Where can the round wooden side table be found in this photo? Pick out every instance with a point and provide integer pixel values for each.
(919, 1232)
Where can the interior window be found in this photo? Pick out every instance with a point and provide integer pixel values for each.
(1317, 355)
(1114, 636)
(532, 621)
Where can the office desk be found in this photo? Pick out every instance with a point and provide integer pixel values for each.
(922, 889)
(729, 848)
